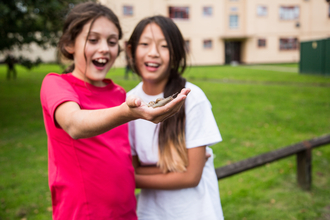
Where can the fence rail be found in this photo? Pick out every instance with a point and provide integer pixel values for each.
(303, 150)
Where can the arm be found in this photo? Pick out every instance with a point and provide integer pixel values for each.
(144, 170)
(152, 169)
(175, 180)
(80, 123)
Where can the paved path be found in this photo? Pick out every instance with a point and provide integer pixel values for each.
(252, 82)
(272, 68)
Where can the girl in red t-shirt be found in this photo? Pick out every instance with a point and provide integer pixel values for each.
(90, 165)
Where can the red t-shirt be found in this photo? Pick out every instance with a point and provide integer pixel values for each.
(90, 178)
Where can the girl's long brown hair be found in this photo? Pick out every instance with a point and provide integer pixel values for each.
(80, 15)
(171, 139)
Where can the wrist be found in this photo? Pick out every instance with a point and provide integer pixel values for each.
(127, 112)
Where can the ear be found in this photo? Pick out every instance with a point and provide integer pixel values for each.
(69, 48)
(129, 51)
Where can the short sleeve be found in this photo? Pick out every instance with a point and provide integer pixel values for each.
(54, 91)
(201, 126)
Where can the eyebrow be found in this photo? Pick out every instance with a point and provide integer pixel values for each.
(152, 38)
(97, 33)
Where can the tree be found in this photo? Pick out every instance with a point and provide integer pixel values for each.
(23, 22)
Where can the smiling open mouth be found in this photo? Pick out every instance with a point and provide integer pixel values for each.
(155, 65)
(101, 62)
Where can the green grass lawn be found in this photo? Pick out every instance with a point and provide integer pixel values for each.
(256, 110)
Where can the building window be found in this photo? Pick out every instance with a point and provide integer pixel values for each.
(289, 12)
(207, 44)
(128, 10)
(207, 11)
(233, 21)
(233, 9)
(288, 43)
(187, 45)
(262, 10)
(179, 12)
(261, 42)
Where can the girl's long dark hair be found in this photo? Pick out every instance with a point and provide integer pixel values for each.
(171, 140)
(80, 15)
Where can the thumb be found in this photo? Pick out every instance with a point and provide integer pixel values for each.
(133, 101)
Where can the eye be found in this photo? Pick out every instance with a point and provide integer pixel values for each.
(164, 46)
(112, 43)
(92, 41)
(143, 44)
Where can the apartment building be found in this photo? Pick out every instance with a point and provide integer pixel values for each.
(221, 32)
(233, 31)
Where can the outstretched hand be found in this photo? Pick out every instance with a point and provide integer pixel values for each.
(140, 110)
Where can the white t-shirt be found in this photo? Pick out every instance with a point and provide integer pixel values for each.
(198, 203)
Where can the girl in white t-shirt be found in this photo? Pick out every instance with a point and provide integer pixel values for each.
(176, 179)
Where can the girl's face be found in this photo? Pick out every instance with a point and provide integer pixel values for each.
(152, 56)
(101, 51)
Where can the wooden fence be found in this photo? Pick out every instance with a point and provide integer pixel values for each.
(303, 150)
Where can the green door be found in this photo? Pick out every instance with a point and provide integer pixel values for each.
(311, 57)
(327, 57)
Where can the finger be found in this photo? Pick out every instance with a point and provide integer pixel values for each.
(183, 94)
(207, 156)
(133, 101)
(178, 100)
(180, 97)
(185, 91)
(162, 113)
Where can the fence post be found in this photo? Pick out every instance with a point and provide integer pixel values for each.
(304, 167)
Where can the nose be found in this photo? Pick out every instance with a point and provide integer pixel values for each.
(104, 46)
(153, 51)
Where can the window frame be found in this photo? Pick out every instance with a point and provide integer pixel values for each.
(207, 44)
(131, 10)
(187, 45)
(288, 46)
(233, 9)
(179, 10)
(289, 16)
(231, 22)
(263, 44)
(264, 7)
(207, 14)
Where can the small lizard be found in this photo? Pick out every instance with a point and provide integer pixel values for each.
(161, 101)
